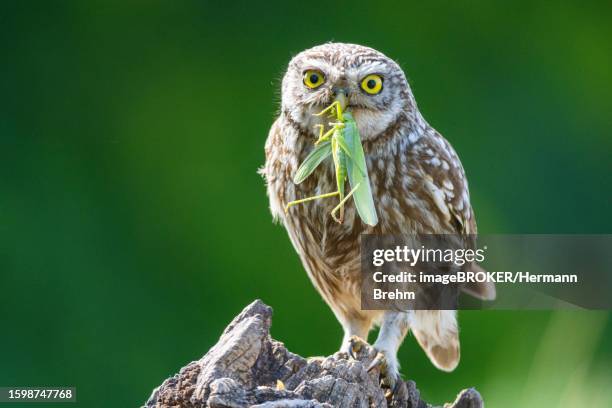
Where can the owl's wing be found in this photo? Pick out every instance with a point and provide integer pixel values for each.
(272, 158)
(447, 186)
(271, 170)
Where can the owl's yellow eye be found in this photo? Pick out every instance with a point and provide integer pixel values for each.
(313, 78)
(372, 84)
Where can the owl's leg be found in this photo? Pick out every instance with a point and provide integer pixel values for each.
(355, 330)
(391, 335)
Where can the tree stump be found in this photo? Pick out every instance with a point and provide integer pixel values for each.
(247, 368)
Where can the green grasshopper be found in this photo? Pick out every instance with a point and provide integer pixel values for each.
(343, 143)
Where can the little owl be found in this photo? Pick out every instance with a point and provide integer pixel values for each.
(418, 185)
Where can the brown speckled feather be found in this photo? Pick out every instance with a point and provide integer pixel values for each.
(418, 184)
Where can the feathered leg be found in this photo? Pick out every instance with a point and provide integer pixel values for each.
(353, 328)
(392, 332)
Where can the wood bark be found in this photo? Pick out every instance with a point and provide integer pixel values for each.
(247, 368)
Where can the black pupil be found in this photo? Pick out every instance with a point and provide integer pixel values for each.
(371, 84)
(314, 78)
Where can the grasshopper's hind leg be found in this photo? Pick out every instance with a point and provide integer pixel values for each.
(340, 205)
(303, 200)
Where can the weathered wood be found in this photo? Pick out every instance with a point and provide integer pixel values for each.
(247, 368)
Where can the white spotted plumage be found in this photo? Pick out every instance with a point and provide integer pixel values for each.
(418, 184)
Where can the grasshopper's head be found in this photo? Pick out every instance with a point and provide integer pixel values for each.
(366, 82)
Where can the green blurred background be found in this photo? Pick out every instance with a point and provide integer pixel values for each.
(133, 225)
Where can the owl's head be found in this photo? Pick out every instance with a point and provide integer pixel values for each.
(374, 85)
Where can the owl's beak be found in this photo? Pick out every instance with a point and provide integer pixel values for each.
(341, 97)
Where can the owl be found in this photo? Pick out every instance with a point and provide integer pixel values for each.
(418, 185)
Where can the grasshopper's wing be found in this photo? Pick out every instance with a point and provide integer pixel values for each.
(358, 173)
(318, 154)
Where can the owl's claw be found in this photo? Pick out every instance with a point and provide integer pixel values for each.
(386, 365)
(378, 362)
(389, 374)
(355, 344)
(392, 393)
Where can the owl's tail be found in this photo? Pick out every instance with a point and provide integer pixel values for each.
(437, 333)
(436, 330)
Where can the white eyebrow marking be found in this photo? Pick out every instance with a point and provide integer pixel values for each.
(317, 64)
(371, 68)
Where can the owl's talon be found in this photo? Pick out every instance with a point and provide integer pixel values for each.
(388, 372)
(392, 391)
(387, 366)
(379, 362)
(355, 344)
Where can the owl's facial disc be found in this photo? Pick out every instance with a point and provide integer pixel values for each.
(373, 86)
(359, 90)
